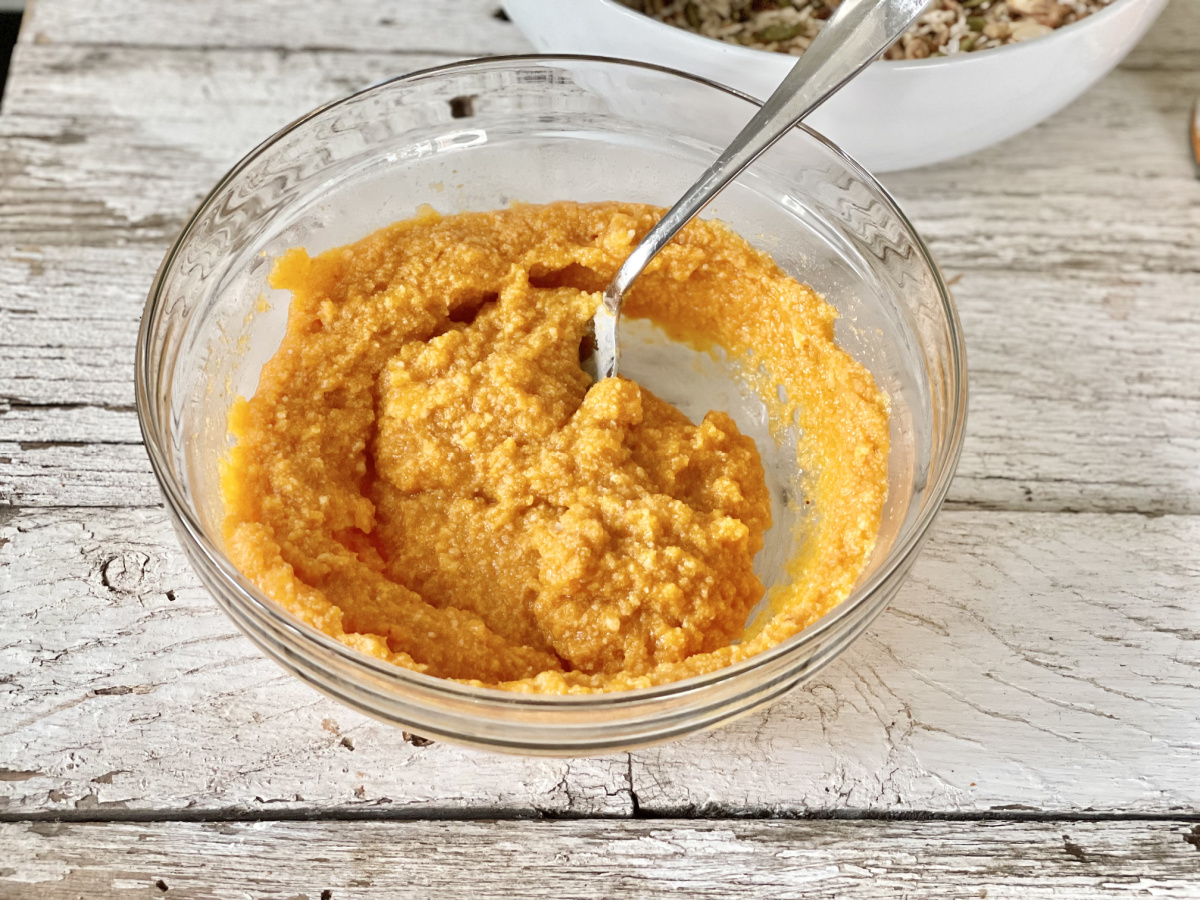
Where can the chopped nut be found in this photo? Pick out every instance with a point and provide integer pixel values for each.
(997, 30)
(1046, 12)
(1053, 16)
(1028, 30)
(916, 47)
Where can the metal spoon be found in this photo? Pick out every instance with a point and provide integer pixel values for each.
(856, 33)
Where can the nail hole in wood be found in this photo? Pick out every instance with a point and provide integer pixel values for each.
(462, 107)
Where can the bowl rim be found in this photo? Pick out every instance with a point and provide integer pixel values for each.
(755, 56)
(147, 410)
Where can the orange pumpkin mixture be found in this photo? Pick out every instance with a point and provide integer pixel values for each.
(426, 474)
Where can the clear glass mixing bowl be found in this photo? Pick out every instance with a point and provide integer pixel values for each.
(479, 135)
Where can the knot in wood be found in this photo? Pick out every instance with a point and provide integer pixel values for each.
(124, 573)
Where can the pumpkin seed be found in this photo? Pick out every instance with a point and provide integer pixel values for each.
(776, 33)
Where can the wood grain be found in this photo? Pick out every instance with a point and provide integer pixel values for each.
(1018, 665)
(1041, 661)
(1031, 661)
(1084, 391)
(462, 27)
(1084, 387)
(68, 327)
(1036, 203)
(126, 689)
(1082, 375)
(107, 146)
(1105, 186)
(598, 859)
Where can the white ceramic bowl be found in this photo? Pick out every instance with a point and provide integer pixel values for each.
(896, 114)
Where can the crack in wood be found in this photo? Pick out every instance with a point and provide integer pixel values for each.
(10, 403)
(88, 811)
(1193, 837)
(1073, 849)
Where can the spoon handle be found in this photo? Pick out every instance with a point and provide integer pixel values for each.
(856, 33)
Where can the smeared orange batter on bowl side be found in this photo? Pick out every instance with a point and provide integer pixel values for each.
(426, 474)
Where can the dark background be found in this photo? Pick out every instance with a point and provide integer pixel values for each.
(9, 23)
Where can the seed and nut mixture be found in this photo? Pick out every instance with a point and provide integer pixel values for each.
(945, 28)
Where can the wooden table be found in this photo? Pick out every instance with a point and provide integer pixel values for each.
(1023, 722)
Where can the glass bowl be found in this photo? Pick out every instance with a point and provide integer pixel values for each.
(479, 135)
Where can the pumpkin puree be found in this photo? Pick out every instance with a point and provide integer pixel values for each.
(426, 474)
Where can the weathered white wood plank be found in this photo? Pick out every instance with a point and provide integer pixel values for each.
(601, 859)
(1084, 391)
(469, 27)
(40, 473)
(1018, 666)
(463, 27)
(68, 327)
(1084, 386)
(111, 145)
(85, 423)
(1043, 661)
(1122, 438)
(1088, 188)
(125, 688)
(1107, 184)
(1049, 659)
